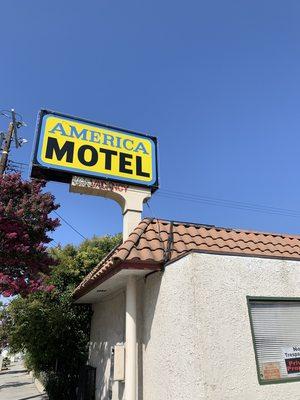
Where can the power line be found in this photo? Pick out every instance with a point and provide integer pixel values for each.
(218, 202)
(70, 225)
(62, 218)
(53, 240)
(228, 203)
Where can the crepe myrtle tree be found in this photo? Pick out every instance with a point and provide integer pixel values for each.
(24, 227)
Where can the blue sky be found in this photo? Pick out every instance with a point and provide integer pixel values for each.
(217, 82)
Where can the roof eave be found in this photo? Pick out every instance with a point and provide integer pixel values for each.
(126, 265)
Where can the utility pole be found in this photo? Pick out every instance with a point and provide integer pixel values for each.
(6, 148)
(11, 133)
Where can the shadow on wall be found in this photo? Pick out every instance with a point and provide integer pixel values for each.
(100, 358)
(121, 392)
(148, 293)
(108, 328)
(151, 293)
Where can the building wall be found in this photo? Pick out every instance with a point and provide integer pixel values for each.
(169, 336)
(220, 299)
(194, 332)
(107, 330)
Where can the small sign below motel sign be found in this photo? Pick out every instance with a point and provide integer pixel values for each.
(67, 146)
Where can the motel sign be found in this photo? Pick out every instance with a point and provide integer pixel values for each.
(67, 146)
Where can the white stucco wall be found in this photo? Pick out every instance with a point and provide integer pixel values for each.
(223, 321)
(107, 329)
(194, 332)
(200, 344)
(169, 336)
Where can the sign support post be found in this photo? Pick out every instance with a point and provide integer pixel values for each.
(130, 198)
(104, 161)
(132, 209)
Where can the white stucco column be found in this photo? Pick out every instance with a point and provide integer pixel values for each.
(131, 219)
(132, 207)
(131, 352)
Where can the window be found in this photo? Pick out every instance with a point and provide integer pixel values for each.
(275, 325)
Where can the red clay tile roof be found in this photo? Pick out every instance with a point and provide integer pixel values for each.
(155, 242)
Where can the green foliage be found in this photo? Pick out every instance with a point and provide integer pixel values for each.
(6, 362)
(28, 363)
(56, 385)
(49, 328)
(74, 263)
(4, 321)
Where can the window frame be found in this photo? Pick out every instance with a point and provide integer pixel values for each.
(270, 299)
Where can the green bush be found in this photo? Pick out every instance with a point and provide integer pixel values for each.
(49, 328)
(61, 386)
(6, 362)
(28, 364)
